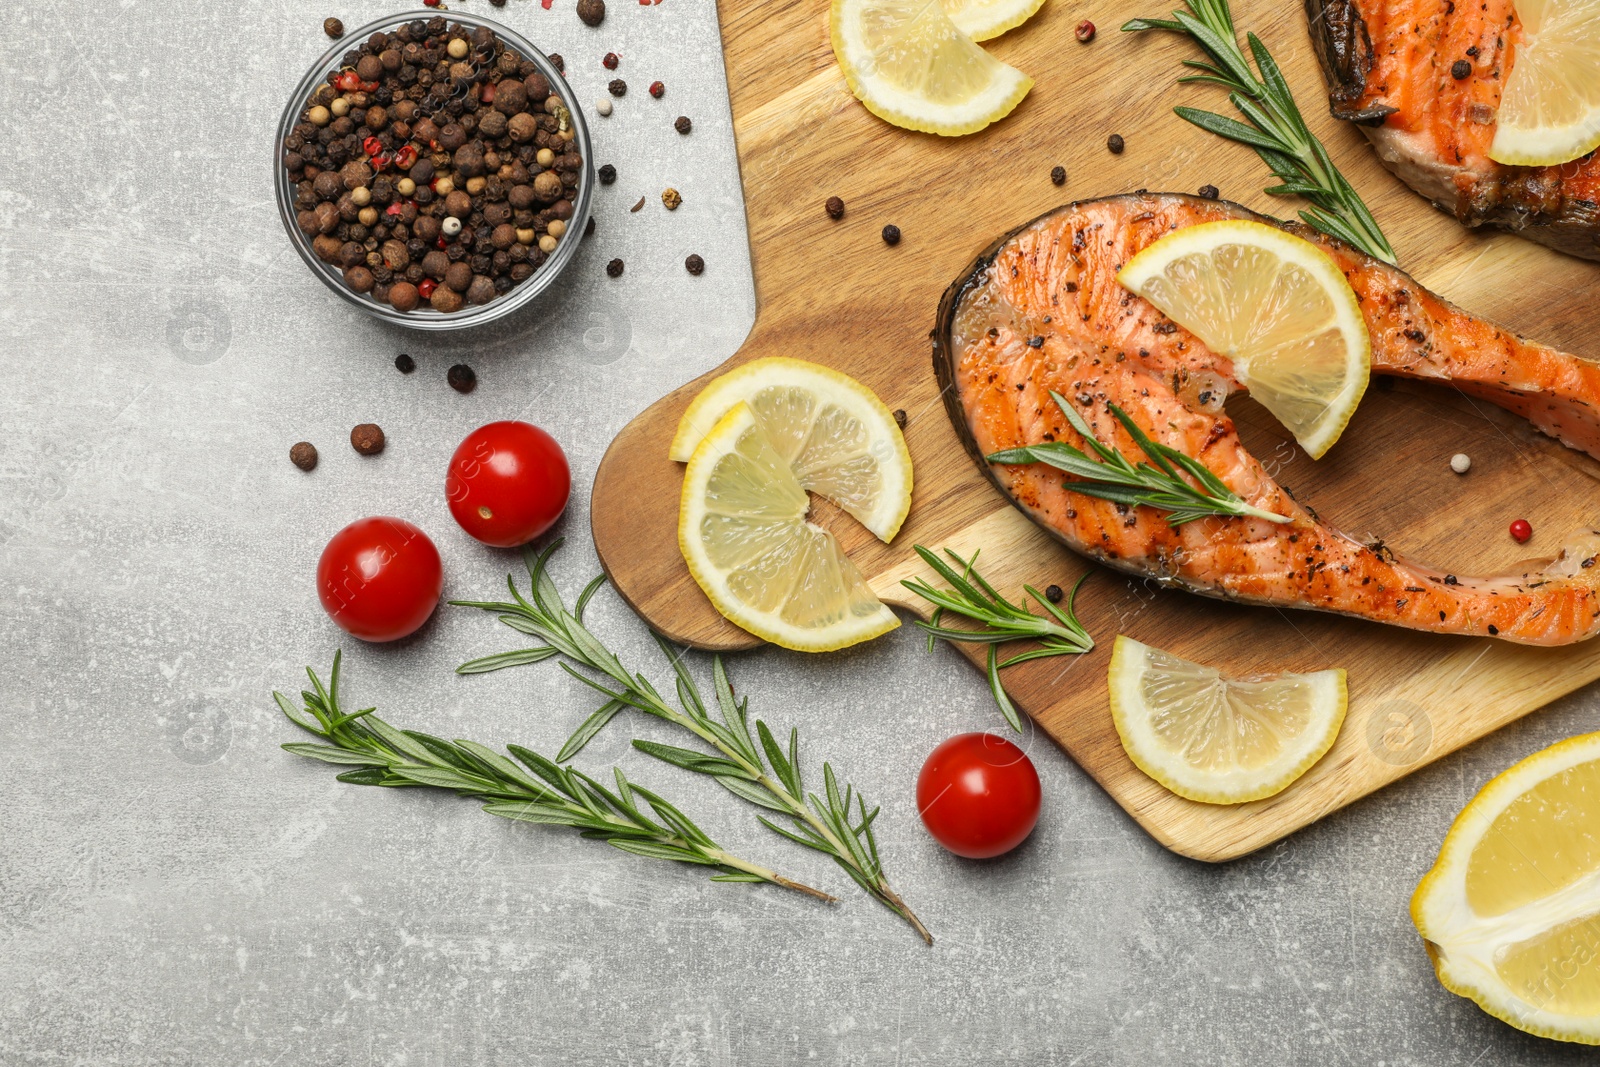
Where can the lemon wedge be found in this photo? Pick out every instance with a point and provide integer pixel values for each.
(911, 66)
(983, 19)
(832, 431)
(1510, 912)
(1220, 740)
(1550, 109)
(1274, 304)
(743, 531)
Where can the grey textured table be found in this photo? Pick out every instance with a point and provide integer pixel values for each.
(174, 889)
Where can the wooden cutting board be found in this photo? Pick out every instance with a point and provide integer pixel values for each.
(833, 292)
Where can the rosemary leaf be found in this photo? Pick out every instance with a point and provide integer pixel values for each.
(766, 776)
(559, 796)
(1276, 130)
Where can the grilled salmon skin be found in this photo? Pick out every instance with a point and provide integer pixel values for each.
(1389, 64)
(1042, 311)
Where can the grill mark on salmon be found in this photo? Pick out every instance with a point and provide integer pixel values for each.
(1042, 310)
(1387, 64)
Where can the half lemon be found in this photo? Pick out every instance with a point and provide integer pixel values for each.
(983, 19)
(834, 433)
(1550, 109)
(911, 66)
(743, 532)
(1277, 306)
(1510, 912)
(1220, 740)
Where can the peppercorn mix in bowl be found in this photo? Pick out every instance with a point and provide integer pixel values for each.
(434, 171)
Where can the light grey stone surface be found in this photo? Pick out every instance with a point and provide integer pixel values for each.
(174, 889)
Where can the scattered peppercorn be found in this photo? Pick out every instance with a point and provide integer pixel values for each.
(557, 62)
(1210, 192)
(1461, 463)
(588, 227)
(367, 439)
(335, 29)
(614, 268)
(683, 125)
(695, 265)
(835, 208)
(617, 87)
(603, 106)
(671, 198)
(1053, 594)
(891, 235)
(1036, 341)
(607, 174)
(1461, 69)
(1058, 175)
(462, 378)
(900, 417)
(1085, 31)
(610, 61)
(592, 12)
(1116, 144)
(304, 456)
(404, 363)
(1521, 531)
(658, 89)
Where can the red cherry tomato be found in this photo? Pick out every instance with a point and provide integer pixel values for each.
(978, 795)
(380, 578)
(508, 483)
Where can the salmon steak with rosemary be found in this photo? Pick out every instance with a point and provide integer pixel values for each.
(1425, 80)
(1038, 342)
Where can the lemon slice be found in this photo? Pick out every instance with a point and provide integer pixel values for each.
(743, 531)
(1220, 740)
(983, 19)
(832, 431)
(1274, 304)
(1550, 109)
(910, 65)
(1510, 912)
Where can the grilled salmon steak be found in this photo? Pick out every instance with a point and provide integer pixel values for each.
(1391, 66)
(1042, 312)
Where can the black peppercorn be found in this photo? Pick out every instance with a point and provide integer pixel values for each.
(461, 377)
(304, 454)
(695, 265)
(367, 439)
(1115, 143)
(1210, 192)
(1058, 175)
(900, 417)
(683, 125)
(1460, 69)
(335, 29)
(1054, 594)
(588, 227)
(557, 62)
(891, 234)
(614, 268)
(404, 363)
(592, 12)
(617, 87)
(607, 174)
(835, 208)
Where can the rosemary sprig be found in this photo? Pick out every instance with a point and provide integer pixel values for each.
(1276, 129)
(762, 773)
(971, 597)
(380, 754)
(1113, 478)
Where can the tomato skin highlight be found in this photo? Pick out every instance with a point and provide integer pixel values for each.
(979, 795)
(508, 482)
(379, 579)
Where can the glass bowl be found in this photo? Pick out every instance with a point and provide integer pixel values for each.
(424, 317)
